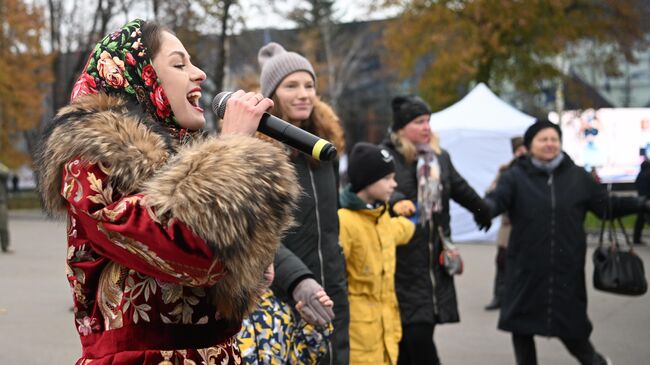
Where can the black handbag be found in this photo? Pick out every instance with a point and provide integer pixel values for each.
(618, 269)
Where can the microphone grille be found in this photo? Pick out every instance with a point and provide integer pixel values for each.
(219, 103)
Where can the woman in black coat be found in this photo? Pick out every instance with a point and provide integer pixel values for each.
(642, 184)
(310, 258)
(426, 180)
(547, 197)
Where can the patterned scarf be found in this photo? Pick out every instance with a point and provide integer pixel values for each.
(429, 186)
(121, 65)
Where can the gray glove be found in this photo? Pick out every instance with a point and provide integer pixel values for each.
(314, 312)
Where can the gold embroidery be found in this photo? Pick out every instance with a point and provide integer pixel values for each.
(210, 355)
(133, 290)
(183, 311)
(111, 215)
(167, 355)
(103, 196)
(79, 294)
(76, 276)
(68, 269)
(110, 295)
(105, 169)
(142, 251)
(186, 361)
(70, 180)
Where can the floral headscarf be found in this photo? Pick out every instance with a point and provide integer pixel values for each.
(121, 65)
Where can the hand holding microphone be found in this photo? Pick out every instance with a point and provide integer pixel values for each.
(270, 125)
(244, 113)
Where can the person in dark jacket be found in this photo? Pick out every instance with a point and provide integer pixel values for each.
(547, 197)
(309, 257)
(642, 184)
(518, 149)
(426, 180)
(4, 211)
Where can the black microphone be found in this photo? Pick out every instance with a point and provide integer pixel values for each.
(284, 132)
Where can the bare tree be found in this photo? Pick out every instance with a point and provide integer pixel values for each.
(220, 11)
(72, 36)
(342, 55)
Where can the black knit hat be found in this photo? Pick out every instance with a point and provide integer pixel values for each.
(368, 163)
(406, 108)
(538, 126)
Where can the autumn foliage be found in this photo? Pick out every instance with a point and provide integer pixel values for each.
(25, 72)
(451, 44)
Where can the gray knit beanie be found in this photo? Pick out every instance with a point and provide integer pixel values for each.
(276, 64)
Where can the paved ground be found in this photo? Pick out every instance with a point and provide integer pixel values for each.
(36, 326)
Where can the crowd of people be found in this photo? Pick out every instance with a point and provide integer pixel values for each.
(228, 249)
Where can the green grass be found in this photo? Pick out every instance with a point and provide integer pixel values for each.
(27, 199)
(593, 222)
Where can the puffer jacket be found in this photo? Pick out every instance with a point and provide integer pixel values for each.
(310, 248)
(274, 335)
(369, 237)
(425, 292)
(167, 244)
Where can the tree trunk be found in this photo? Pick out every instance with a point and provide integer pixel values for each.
(325, 30)
(219, 72)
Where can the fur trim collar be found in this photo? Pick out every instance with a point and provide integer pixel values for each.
(235, 192)
(99, 128)
(328, 125)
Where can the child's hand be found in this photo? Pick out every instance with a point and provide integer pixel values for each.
(269, 275)
(405, 208)
(322, 298)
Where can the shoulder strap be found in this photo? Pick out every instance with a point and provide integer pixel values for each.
(611, 227)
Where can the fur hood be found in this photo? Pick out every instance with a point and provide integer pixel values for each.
(236, 192)
(328, 125)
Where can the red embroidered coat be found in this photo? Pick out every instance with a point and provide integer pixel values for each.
(167, 244)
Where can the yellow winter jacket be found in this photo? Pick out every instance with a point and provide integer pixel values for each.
(369, 238)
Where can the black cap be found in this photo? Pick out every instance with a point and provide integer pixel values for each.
(538, 126)
(368, 163)
(406, 108)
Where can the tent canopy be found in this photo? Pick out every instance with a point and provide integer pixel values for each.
(476, 132)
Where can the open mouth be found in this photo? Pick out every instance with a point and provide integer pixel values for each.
(193, 98)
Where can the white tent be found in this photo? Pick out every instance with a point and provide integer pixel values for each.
(476, 132)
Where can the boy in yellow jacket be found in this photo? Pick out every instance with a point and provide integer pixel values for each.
(369, 236)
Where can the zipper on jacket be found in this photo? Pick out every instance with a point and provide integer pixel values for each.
(320, 251)
(549, 310)
(432, 274)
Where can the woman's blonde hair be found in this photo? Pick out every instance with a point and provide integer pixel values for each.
(404, 146)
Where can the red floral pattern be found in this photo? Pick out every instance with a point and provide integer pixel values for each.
(159, 99)
(149, 75)
(139, 286)
(120, 64)
(111, 69)
(85, 85)
(130, 60)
